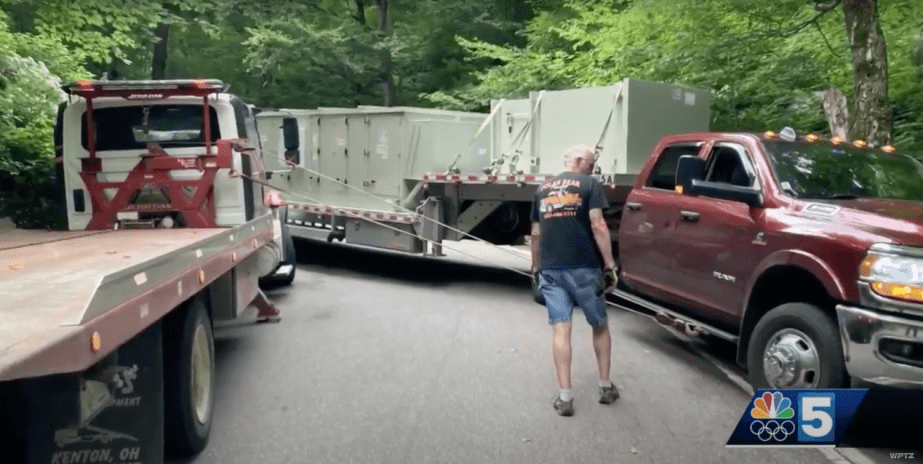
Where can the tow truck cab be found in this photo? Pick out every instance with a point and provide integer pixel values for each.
(102, 146)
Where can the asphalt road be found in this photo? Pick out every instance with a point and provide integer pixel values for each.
(385, 358)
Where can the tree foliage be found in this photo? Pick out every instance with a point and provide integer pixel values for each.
(767, 64)
(32, 67)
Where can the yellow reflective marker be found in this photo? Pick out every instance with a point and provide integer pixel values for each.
(96, 342)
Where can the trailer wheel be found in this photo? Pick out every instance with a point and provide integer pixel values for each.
(189, 372)
(796, 345)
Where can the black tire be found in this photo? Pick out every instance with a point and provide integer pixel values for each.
(185, 434)
(814, 327)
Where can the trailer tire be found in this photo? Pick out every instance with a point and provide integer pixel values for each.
(801, 337)
(189, 379)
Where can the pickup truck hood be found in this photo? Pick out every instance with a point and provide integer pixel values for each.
(900, 221)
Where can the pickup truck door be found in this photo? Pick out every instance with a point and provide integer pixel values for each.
(713, 240)
(644, 259)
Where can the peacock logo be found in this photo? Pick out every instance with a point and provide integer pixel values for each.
(772, 406)
(772, 414)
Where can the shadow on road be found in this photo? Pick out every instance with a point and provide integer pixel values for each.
(383, 264)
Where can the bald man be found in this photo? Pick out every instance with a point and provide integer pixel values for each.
(571, 251)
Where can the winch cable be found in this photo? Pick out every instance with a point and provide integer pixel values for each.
(416, 212)
(381, 224)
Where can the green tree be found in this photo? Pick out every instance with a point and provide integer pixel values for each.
(32, 67)
(768, 64)
(357, 53)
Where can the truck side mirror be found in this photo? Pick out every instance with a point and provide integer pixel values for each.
(290, 139)
(689, 168)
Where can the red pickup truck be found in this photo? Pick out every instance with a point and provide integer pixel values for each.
(806, 253)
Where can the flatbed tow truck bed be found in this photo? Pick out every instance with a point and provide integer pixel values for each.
(58, 289)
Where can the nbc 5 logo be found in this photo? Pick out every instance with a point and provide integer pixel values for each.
(816, 418)
(774, 418)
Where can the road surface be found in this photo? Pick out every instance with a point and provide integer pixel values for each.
(386, 358)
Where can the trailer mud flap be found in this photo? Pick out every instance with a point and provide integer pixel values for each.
(111, 413)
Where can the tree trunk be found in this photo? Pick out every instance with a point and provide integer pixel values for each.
(386, 68)
(159, 63)
(837, 112)
(360, 12)
(871, 112)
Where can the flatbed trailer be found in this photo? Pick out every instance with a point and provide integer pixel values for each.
(106, 329)
(112, 283)
(74, 302)
(410, 179)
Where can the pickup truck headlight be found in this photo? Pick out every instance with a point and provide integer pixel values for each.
(894, 271)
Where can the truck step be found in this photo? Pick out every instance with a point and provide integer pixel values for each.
(670, 318)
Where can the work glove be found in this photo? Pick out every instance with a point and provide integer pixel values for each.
(610, 279)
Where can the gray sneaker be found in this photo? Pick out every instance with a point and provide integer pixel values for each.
(564, 408)
(608, 394)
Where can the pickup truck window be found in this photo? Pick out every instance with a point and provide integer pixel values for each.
(730, 164)
(663, 176)
(167, 125)
(819, 170)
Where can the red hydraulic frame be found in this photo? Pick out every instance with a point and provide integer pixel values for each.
(154, 168)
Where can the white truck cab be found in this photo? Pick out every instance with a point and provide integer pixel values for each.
(128, 118)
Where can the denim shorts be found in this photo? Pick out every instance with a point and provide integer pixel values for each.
(565, 288)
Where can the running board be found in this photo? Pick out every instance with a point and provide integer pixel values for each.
(660, 310)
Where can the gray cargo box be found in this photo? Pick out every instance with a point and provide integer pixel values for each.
(380, 151)
(556, 120)
(373, 149)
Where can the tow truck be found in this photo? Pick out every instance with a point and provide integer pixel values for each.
(106, 327)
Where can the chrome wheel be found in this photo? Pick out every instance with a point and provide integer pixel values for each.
(201, 375)
(791, 360)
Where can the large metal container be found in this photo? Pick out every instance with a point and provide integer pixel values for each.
(373, 150)
(546, 124)
(380, 153)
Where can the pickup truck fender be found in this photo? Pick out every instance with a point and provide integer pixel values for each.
(789, 258)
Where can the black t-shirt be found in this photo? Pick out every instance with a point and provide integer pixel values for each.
(562, 209)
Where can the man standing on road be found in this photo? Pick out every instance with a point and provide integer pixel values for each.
(570, 244)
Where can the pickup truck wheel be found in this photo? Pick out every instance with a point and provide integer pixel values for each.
(189, 372)
(796, 345)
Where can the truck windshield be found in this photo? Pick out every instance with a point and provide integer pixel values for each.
(818, 170)
(127, 128)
